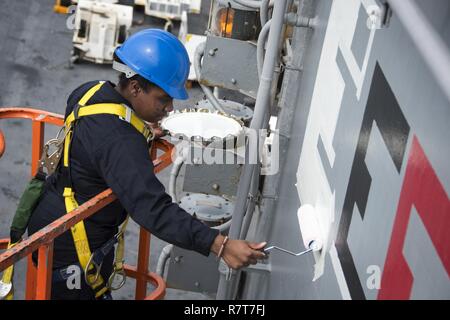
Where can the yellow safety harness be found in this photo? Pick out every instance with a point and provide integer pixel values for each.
(86, 259)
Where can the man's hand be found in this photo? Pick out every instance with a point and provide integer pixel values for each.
(158, 132)
(239, 253)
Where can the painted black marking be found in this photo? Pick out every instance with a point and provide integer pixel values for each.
(382, 108)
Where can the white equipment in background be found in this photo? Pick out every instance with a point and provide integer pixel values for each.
(190, 41)
(105, 1)
(171, 9)
(99, 28)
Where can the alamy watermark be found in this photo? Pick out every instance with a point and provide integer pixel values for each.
(74, 280)
(70, 21)
(373, 281)
(249, 147)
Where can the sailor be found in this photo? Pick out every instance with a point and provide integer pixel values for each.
(105, 150)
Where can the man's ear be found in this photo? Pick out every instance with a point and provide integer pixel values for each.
(135, 88)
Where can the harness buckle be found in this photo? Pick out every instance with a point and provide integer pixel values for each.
(117, 272)
(55, 146)
(97, 267)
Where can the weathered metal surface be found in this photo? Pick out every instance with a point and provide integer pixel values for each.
(189, 270)
(212, 210)
(217, 179)
(237, 73)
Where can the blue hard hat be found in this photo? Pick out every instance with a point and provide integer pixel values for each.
(159, 57)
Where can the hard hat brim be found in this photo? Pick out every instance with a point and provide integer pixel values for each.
(179, 94)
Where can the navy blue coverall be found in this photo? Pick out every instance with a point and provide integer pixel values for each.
(108, 152)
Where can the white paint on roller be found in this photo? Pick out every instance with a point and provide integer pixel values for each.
(316, 233)
(312, 238)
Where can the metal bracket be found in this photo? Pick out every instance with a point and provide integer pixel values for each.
(292, 67)
(379, 14)
(296, 20)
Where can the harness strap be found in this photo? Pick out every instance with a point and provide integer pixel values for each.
(120, 110)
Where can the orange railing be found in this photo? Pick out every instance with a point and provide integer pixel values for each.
(38, 283)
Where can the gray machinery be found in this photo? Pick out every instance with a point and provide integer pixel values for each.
(361, 93)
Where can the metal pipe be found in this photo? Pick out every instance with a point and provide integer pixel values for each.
(428, 42)
(252, 203)
(291, 19)
(264, 11)
(177, 164)
(216, 92)
(223, 228)
(199, 52)
(163, 258)
(262, 103)
(260, 46)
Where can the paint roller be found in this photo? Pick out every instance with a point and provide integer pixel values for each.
(309, 229)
